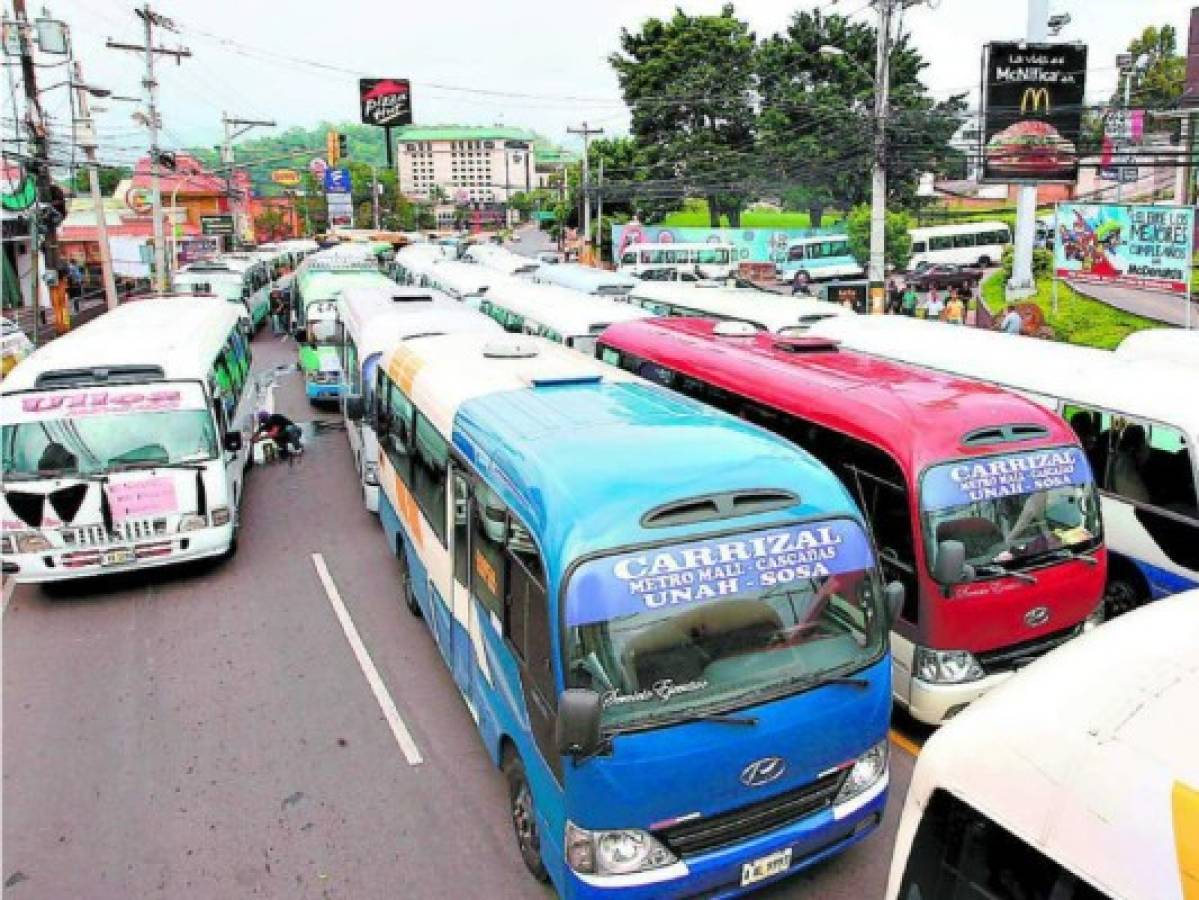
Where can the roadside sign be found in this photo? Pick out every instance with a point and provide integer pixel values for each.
(216, 225)
(317, 167)
(385, 101)
(337, 181)
(139, 200)
(285, 177)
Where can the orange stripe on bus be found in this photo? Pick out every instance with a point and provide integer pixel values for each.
(404, 502)
(1185, 801)
(404, 367)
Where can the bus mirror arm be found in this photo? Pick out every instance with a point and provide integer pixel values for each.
(577, 731)
(354, 407)
(894, 594)
(232, 442)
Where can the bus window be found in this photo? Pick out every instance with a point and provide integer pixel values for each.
(965, 240)
(461, 529)
(629, 258)
(797, 253)
(431, 456)
(940, 243)
(919, 247)
(489, 568)
(657, 374)
(396, 435)
(716, 256)
(610, 356)
(960, 854)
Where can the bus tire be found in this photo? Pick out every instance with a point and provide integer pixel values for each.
(406, 592)
(984, 262)
(802, 278)
(1125, 589)
(524, 817)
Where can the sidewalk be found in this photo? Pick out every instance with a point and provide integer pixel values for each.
(1167, 308)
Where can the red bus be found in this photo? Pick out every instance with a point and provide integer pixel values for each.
(981, 502)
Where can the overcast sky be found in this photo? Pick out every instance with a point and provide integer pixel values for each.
(535, 63)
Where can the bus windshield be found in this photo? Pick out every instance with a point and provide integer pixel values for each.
(717, 256)
(107, 430)
(667, 632)
(1012, 510)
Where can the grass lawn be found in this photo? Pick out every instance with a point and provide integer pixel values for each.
(1079, 319)
(695, 215)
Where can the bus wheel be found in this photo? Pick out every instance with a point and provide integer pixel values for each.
(1121, 595)
(984, 262)
(406, 592)
(524, 819)
(802, 278)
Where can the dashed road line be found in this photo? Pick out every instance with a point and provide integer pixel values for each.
(398, 729)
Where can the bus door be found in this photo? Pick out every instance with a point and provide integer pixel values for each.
(459, 597)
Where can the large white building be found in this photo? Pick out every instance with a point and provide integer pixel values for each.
(470, 164)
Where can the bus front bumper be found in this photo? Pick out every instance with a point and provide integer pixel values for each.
(59, 564)
(317, 390)
(933, 704)
(719, 873)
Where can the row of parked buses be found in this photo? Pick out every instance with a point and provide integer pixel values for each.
(677, 546)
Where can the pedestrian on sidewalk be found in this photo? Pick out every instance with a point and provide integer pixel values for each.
(1011, 323)
(955, 309)
(909, 301)
(935, 306)
(894, 297)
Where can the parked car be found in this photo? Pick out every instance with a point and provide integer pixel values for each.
(944, 276)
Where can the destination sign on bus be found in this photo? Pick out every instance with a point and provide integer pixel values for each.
(720, 568)
(68, 404)
(975, 480)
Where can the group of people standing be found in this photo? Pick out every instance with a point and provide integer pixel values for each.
(906, 301)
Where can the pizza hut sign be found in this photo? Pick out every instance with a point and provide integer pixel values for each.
(385, 101)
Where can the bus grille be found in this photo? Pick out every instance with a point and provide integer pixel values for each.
(1007, 659)
(703, 835)
(122, 532)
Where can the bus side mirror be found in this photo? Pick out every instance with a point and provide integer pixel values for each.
(950, 567)
(894, 594)
(577, 732)
(300, 334)
(355, 408)
(232, 442)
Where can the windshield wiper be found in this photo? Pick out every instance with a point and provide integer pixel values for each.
(1067, 553)
(850, 680)
(721, 718)
(1000, 571)
(134, 465)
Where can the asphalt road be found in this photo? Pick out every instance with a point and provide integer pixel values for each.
(210, 732)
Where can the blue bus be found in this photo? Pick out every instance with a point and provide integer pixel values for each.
(667, 623)
(818, 258)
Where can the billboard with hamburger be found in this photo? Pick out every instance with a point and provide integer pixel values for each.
(1033, 97)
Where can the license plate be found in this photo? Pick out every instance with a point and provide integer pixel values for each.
(116, 557)
(762, 868)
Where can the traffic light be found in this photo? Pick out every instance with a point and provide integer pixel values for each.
(333, 147)
(341, 146)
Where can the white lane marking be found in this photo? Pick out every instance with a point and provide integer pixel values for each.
(398, 728)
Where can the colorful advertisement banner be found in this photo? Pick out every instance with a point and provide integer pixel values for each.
(152, 496)
(1147, 247)
(973, 480)
(749, 244)
(1032, 111)
(721, 568)
(385, 101)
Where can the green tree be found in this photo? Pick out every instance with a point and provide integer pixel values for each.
(110, 177)
(271, 225)
(897, 241)
(689, 84)
(1158, 76)
(817, 121)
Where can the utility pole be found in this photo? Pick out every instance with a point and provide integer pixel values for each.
(39, 151)
(234, 197)
(877, 272)
(375, 195)
(87, 141)
(1022, 284)
(599, 214)
(150, 19)
(586, 133)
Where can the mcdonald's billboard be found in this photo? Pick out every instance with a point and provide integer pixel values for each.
(1032, 110)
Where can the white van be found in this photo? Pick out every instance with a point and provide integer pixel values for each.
(125, 442)
(765, 311)
(707, 260)
(1077, 779)
(965, 244)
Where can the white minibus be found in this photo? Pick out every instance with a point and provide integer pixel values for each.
(818, 258)
(371, 322)
(462, 281)
(238, 278)
(563, 316)
(413, 262)
(967, 244)
(765, 311)
(1172, 345)
(585, 279)
(1137, 419)
(708, 260)
(125, 442)
(502, 260)
(1077, 779)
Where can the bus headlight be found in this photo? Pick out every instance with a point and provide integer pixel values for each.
(32, 542)
(192, 522)
(946, 666)
(370, 473)
(220, 516)
(869, 768)
(617, 852)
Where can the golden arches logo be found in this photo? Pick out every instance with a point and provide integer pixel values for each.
(1034, 99)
